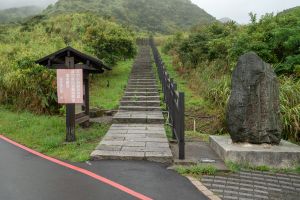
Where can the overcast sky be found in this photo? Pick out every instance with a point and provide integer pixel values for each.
(235, 9)
(238, 9)
(17, 3)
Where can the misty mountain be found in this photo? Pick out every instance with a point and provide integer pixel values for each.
(225, 20)
(148, 15)
(18, 14)
(5, 4)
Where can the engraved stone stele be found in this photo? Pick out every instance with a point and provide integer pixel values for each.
(253, 111)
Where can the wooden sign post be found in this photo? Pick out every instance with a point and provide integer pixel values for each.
(70, 92)
(73, 69)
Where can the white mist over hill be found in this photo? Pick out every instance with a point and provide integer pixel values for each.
(4, 4)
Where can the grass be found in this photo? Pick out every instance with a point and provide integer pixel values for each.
(192, 100)
(192, 135)
(235, 167)
(46, 134)
(107, 89)
(196, 170)
(208, 117)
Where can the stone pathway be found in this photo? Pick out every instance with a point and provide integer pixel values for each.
(138, 131)
(255, 185)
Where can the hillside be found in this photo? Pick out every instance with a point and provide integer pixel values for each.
(225, 20)
(17, 14)
(163, 16)
(293, 10)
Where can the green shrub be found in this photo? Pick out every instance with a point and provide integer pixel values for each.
(23, 84)
(290, 108)
(209, 54)
(109, 41)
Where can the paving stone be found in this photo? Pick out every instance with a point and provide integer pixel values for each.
(111, 143)
(219, 181)
(148, 139)
(233, 183)
(260, 187)
(232, 192)
(145, 149)
(244, 189)
(129, 136)
(108, 148)
(217, 191)
(100, 155)
(117, 130)
(218, 186)
(156, 144)
(133, 144)
(260, 191)
(207, 180)
(229, 197)
(113, 138)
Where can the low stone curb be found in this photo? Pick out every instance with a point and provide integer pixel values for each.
(209, 194)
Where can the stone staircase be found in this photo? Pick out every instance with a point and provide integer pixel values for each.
(137, 131)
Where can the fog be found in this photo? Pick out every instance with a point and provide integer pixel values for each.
(235, 9)
(238, 10)
(19, 3)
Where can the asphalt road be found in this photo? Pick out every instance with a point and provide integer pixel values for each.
(24, 176)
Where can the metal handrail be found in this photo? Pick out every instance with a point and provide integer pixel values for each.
(174, 101)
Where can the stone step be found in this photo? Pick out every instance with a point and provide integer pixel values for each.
(142, 79)
(139, 85)
(142, 90)
(139, 108)
(147, 73)
(142, 75)
(140, 103)
(146, 87)
(144, 82)
(141, 93)
(136, 117)
(138, 131)
(142, 68)
(144, 72)
(141, 98)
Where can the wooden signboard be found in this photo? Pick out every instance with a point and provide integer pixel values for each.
(73, 69)
(70, 86)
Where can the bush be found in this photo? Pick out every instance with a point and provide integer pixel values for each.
(209, 54)
(290, 108)
(23, 84)
(109, 41)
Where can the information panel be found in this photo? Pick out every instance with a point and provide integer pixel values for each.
(70, 86)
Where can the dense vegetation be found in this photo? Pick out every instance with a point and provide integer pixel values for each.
(26, 85)
(18, 14)
(163, 16)
(208, 54)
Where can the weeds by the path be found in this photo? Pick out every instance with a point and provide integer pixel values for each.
(46, 134)
(107, 89)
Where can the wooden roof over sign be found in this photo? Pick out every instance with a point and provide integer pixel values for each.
(56, 60)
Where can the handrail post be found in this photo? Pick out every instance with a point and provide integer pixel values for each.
(181, 126)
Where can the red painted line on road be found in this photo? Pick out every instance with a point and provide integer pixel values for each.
(81, 170)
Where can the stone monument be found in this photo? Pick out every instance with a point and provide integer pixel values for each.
(253, 112)
(253, 119)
